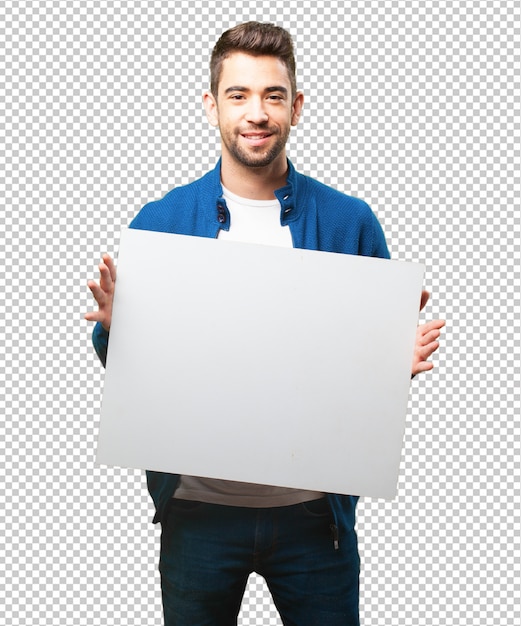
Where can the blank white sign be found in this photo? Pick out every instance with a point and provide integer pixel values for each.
(261, 364)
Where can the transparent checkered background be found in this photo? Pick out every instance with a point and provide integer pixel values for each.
(412, 105)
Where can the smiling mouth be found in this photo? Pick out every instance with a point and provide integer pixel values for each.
(256, 139)
(256, 135)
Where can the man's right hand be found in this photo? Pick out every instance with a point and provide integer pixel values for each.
(103, 293)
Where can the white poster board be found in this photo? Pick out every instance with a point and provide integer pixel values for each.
(259, 364)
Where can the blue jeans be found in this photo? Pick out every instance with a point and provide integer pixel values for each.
(208, 552)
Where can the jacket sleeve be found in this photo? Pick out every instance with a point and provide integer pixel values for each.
(100, 339)
(380, 248)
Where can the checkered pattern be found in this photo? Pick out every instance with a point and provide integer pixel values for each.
(413, 106)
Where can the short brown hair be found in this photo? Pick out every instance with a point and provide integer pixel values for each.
(258, 39)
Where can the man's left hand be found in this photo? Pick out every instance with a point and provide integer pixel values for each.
(426, 341)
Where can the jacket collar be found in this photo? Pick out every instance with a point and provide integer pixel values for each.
(289, 209)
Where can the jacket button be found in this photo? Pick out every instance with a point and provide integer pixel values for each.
(221, 213)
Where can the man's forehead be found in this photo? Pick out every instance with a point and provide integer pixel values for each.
(240, 68)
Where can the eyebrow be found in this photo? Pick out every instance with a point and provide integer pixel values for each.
(241, 89)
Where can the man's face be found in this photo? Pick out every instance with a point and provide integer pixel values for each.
(254, 109)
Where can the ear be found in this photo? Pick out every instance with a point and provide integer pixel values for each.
(210, 106)
(296, 109)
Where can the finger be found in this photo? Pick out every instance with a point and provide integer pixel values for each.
(93, 316)
(420, 363)
(429, 337)
(106, 282)
(98, 316)
(432, 325)
(428, 350)
(423, 366)
(107, 259)
(99, 295)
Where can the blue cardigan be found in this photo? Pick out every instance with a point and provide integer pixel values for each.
(319, 218)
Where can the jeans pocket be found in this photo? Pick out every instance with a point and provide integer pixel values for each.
(181, 508)
(178, 504)
(316, 508)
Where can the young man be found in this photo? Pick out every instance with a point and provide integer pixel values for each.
(215, 533)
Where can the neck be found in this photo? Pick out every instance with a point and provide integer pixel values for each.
(255, 183)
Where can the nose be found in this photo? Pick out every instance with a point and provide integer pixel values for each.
(256, 112)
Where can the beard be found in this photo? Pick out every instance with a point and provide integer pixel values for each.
(252, 156)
